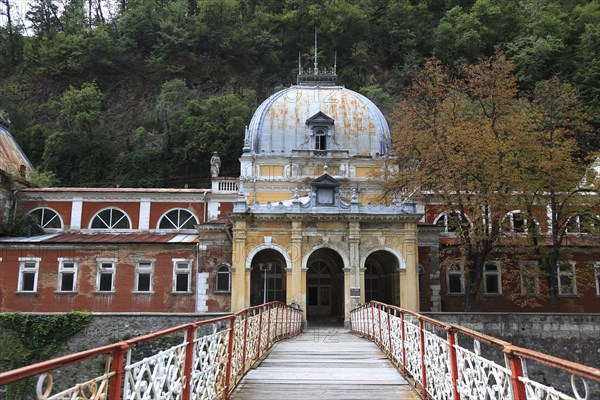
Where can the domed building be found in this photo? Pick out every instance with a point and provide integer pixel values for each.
(310, 225)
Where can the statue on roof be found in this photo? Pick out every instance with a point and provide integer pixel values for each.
(215, 165)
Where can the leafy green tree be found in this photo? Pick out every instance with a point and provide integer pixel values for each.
(458, 36)
(78, 151)
(587, 74)
(215, 124)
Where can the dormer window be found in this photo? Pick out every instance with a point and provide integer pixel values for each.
(320, 132)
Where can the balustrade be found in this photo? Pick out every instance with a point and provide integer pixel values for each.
(436, 357)
(211, 359)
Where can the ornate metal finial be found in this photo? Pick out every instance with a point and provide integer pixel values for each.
(335, 63)
(316, 61)
(326, 169)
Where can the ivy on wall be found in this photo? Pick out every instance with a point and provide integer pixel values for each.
(28, 338)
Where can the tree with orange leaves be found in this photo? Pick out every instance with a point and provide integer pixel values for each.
(456, 139)
(552, 174)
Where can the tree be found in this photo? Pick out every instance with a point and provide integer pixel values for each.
(456, 140)
(551, 175)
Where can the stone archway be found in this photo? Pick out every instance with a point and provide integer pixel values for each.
(267, 277)
(325, 286)
(382, 274)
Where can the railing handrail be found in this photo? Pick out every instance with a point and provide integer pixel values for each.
(118, 349)
(366, 319)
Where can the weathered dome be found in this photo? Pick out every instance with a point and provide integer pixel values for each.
(288, 122)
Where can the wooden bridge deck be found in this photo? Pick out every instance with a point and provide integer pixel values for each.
(324, 363)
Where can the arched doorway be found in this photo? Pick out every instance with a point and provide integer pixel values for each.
(382, 282)
(267, 278)
(325, 286)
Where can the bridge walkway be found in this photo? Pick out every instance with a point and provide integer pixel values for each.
(324, 363)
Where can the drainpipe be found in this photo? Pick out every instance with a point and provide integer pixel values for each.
(198, 277)
(205, 206)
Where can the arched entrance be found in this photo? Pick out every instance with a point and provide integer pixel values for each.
(325, 286)
(267, 278)
(382, 282)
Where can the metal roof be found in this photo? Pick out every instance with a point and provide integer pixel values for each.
(99, 238)
(278, 126)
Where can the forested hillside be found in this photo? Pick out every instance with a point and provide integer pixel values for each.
(141, 92)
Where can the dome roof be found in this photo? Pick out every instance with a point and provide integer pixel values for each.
(282, 124)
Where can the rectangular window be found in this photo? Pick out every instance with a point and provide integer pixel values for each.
(455, 279)
(223, 279)
(28, 274)
(182, 275)
(492, 281)
(105, 280)
(530, 278)
(143, 276)
(67, 275)
(566, 278)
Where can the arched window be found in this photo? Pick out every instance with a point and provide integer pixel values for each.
(110, 218)
(47, 218)
(223, 279)
(450, 221)
(178, 218)
(583, 224)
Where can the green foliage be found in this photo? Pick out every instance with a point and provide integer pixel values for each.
(23, 225)
(27, 338)
(103, 73)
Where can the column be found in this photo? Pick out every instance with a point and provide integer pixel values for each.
(410, 285)
(296, 287)
(240, 293)
(352, 277)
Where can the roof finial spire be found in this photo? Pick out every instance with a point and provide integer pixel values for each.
(335, 63)
(299, 63)
(316, 62)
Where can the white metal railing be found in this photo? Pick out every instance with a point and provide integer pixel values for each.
(211, 359)
(428, 352)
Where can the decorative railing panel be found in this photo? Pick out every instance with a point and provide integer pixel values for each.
(435, 357)
(211, 358)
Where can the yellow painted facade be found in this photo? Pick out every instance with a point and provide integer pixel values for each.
(303, 229)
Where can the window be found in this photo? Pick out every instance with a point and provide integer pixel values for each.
(582, 224)
(67, 275)
(178, 219)
(47, 218)
(530, 278)
(28, 274)
(182, 273)
(514, 221)
(566, 278)
(143, 276)
(455, 279)
(492, 283)
(223, 279)
(450, 222)
(320, 140)
(597, 276)
(110, 218)
(105, 280)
